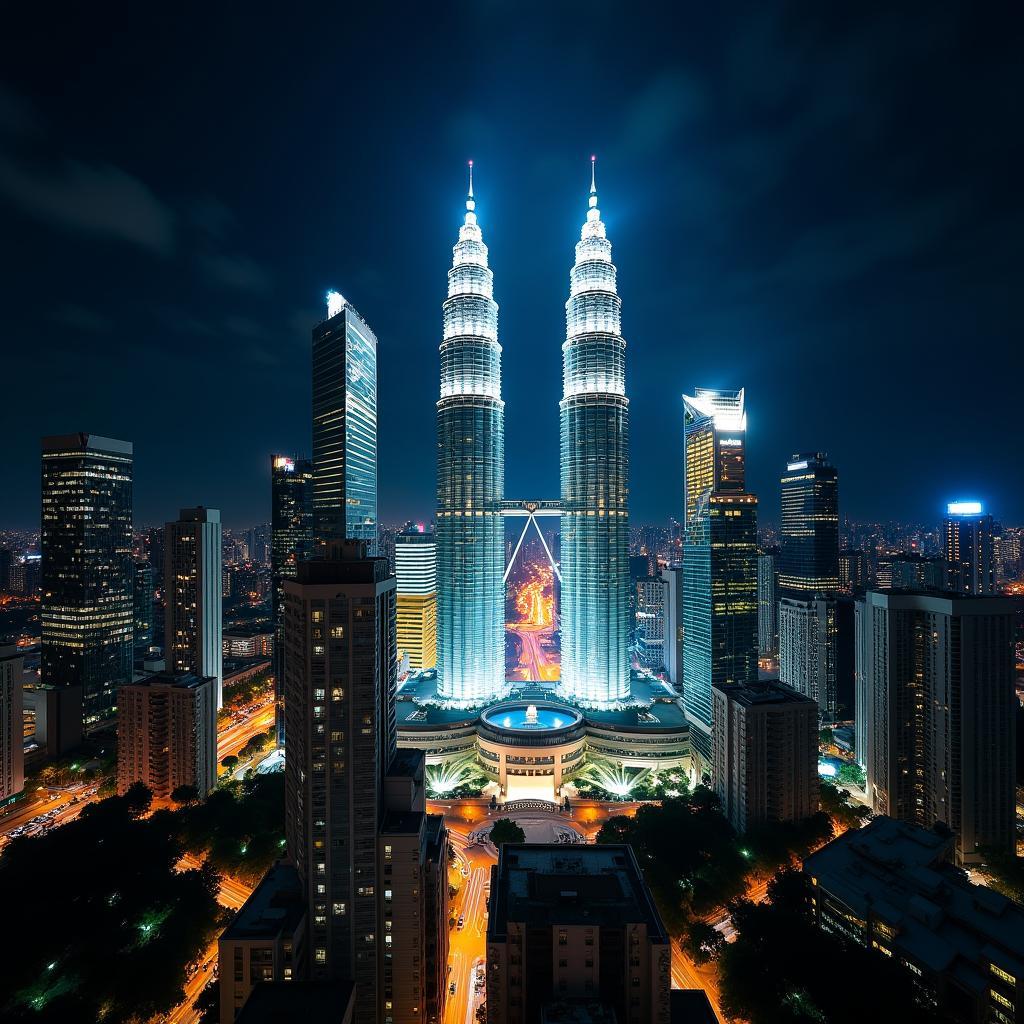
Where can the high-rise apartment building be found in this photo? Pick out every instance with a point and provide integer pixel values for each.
(594, 414)
(371, 863)
(935, 713)
(911, 571)
(852, 573)
(765, 754)
(970, 555)
(193, 619)
(809, 559)
(470, 479)
(808, 650)
(344, 426)
(291, 502)
(143, 605)
(650, 622)
(672, 576)
(720, 562)
(768, 602)
(167, 734)
(12, 726)
(574, 926)
(87, 570)
(416, 573)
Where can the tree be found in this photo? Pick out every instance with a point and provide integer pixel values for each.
(138, 799)
(851, 774)
(230, 763)
(702, 941)
(185, 795)
(505, 830)
(208, 1003)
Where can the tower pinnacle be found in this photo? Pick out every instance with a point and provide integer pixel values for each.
(469, 197)
(593, 175)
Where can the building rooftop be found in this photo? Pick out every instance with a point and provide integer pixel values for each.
(901, 874)
(767, 691)
(552, 884)
(274, 908)
(578, 1011)
(285, 1002)
(184, 681)
(402, 823)
(690, 1006)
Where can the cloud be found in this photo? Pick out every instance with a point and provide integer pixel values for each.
(234, 272)
(668, 104)
(95, 198)
(80, 318)
(209, 215)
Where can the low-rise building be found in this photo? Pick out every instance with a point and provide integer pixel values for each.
(248, 643)
(891, 887)
(570, 926)
(264, 942)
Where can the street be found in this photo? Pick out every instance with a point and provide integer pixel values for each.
(468, 945)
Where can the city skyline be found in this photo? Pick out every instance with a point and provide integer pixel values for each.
(771, 223)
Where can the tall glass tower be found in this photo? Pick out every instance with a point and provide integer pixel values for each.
(344, 427)
(594, 470)
(470, 480)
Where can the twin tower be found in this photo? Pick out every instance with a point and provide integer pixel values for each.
(594, 484)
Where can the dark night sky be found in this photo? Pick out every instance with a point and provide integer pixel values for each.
(821, 203)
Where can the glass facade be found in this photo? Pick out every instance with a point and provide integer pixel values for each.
(720, 595)
(809, 562)
(470, 533)
(291, 542)
(344, 428)
(87, 568)
(595, 595)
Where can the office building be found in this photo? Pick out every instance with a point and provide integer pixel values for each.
(265, 941)
(416, 575)
(348, 790)
(470, 479)
(809, 557)
(12, 726)
(672, 576)
(935, 714)
(193, 618)
(765, 754)
(143, 604)
(248, 642)
(573, 927)
(890, 887)
(87, 571)
(852, 573)
(167, 734)
(768, 603)
(259, 541)
(292, 541)
(344, 427)
(650, 622)
(912, 571)
(720, 562)
(6, 561)
(970, 556)
(594, 415)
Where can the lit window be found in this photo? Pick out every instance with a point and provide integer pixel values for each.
(321, 956)
(339, 909)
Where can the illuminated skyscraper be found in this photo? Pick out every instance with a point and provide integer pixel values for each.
(470, 479)
(193, 620)
(416, 572)
(88, 570)
(809, 563)
(291, 513)
(344, 426)
(970, 550)
(720, 560)
(594, 471)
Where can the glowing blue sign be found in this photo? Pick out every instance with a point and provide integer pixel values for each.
(964, 508)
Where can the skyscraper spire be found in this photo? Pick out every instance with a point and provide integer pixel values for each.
(469, 198)
(594, 469)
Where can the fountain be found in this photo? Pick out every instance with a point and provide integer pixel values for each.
(531, 715)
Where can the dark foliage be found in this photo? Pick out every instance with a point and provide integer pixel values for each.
(506, 831)
(105, 924)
